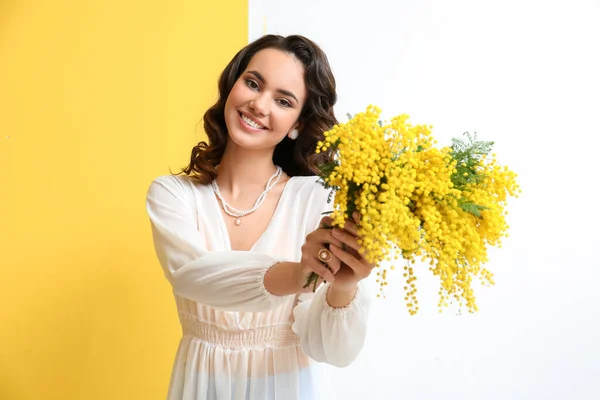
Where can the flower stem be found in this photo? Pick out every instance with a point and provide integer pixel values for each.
(312, 279)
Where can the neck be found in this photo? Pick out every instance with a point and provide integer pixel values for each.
(239, 172)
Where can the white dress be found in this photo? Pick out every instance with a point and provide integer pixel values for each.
(240, 341)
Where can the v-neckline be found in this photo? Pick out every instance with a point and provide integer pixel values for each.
(223, 224)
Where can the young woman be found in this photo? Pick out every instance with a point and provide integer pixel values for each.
(239, 231)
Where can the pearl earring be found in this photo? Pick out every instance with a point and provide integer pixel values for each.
(293, 134)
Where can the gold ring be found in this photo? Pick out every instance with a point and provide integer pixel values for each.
(325, 255)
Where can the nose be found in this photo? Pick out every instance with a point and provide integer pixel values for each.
(259, 105)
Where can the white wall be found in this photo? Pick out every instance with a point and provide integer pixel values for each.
(522, 73)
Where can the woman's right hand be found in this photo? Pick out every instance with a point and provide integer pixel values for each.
(316, 241)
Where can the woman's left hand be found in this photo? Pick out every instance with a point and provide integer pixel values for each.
(354, 267)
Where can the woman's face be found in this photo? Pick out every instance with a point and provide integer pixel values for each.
(265, 102)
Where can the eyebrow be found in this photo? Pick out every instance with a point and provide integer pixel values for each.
(282, 91)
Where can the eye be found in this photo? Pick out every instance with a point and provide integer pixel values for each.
(251, 84)
(284, 103)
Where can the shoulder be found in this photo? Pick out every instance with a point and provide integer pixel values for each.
(310, 195)
(181, 187)
(309, 187)
(311, 200)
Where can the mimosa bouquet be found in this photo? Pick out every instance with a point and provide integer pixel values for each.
(442, 205)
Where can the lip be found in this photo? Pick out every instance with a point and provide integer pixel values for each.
(240, 113)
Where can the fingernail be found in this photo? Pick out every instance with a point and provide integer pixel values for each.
(355, 215)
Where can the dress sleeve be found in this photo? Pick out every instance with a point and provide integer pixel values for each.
(335, 336)
(227, 280)
(332, 335)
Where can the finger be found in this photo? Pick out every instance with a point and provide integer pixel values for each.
(351, 227)
(320, 269)
(311, 249)
(334, 264)
(321, 237)
(359, 267)
(345, 237)
(326, 222)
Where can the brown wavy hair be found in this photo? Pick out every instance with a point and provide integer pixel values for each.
(295, 157)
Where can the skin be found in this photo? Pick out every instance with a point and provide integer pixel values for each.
(262, 108)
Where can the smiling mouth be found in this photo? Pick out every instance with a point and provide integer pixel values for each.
(251, 122)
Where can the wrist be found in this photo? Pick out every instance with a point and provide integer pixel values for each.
(341, 295)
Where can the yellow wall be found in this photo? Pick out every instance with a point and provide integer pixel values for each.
(96, 99)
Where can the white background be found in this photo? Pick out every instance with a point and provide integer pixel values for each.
(526, 75)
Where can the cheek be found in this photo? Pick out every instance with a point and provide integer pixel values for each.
(288, 120)
(238, 93)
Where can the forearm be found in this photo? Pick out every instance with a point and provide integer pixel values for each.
(285, 278)
(231, 281)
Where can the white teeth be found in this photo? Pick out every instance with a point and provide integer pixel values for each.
(251, 123)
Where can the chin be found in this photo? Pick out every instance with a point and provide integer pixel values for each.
(251, 142)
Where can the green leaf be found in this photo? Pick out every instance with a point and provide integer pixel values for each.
(468, 153)
(472, 208)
